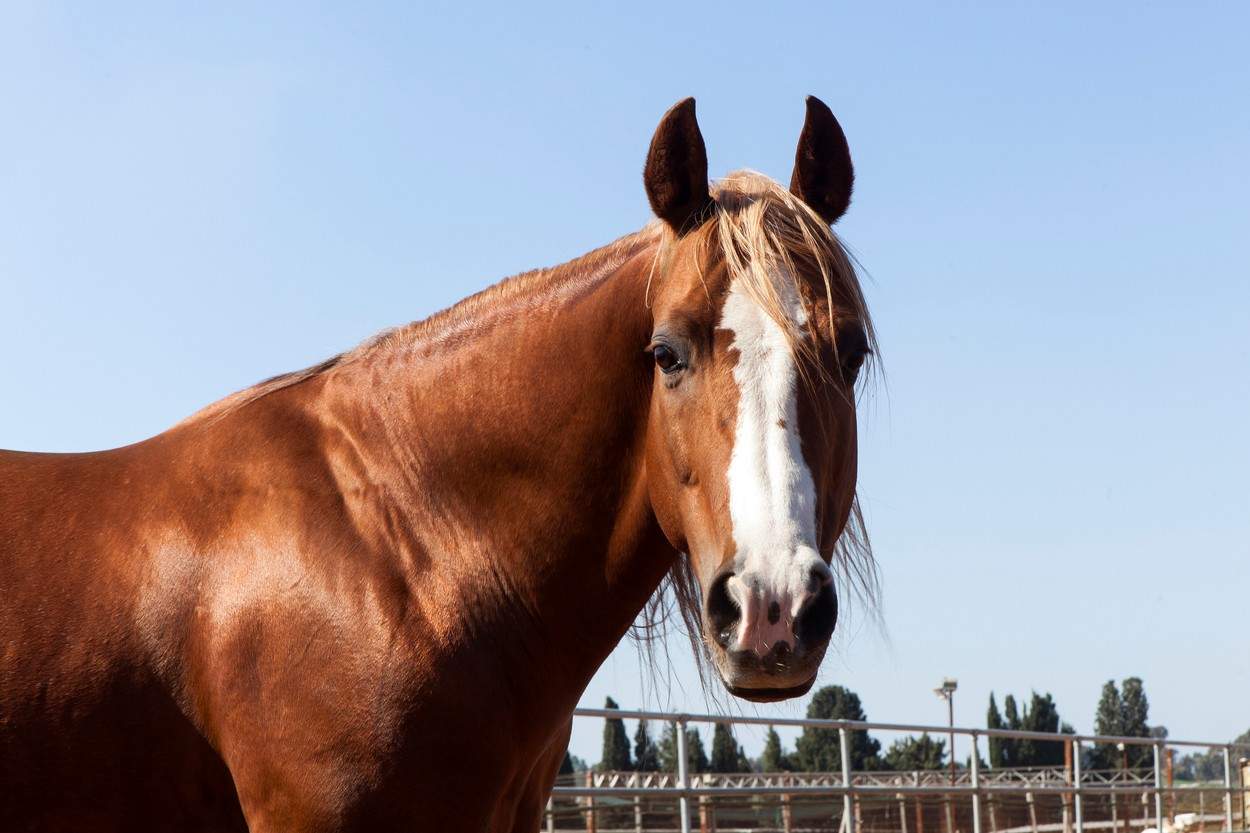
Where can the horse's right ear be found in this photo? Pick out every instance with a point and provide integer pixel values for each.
(676, 171)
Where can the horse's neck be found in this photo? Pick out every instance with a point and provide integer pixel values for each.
(516, 455)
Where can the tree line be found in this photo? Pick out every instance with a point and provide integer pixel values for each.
(817, 750)
(1122, 711)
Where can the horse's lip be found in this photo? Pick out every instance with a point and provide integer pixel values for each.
(771, 695)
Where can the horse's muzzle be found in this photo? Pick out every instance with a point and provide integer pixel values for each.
(770, 646)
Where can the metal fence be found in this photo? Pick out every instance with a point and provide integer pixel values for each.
(955, 801)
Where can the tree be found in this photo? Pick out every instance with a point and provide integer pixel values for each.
(615, 756)
(1134, 720)
(1011, 746)
(1209, 765)
(819, 750)
(696, 757)
(1106, 722)
(774, 758)
(725, 751)
(1041, 716)
(646, 756)
(994, 720)
(668, 748)
(1125, 713)
(912, 753)
(571, 764)
(1107, 715)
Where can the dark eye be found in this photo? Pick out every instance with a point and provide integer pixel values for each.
(851, 365)
(665, 358)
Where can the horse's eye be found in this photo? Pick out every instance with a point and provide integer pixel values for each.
(851, 365)
(665, 358)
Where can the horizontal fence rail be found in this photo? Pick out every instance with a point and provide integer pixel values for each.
(1132, 800)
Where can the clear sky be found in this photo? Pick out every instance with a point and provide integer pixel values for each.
(1051, 208)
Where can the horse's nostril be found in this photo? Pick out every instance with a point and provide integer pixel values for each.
(818, 618)
(722, 612)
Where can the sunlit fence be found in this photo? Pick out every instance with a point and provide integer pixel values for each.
(969, 799)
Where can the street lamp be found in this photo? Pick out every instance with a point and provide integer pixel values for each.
(947, 692)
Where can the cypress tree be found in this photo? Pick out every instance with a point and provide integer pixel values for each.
(668, 748)
(646, 756)
(1011, 746)
(819, 750)
(1134, 720)
(994, 720)
(1040, 716)
(773, 759)
(1107, 722)
(724, 749)
(696, 755)
(615, 755)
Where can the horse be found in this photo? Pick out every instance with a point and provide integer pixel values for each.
(368, 595)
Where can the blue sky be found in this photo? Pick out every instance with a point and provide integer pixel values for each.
(1051, 210)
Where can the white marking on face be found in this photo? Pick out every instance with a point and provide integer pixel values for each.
(772, 498)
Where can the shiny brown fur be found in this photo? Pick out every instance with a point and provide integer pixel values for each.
(365, 596)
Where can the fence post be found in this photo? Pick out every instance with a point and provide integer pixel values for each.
(551, 816)
(682, 782)
(1067, 782)
(848, 804)
(591, 821)
(1228, 789)
(919, 805)
(1243, 776)
(976, 785)
(1170, 780)
(1115, 812)
(1158, 750)
(638, 811)
(1076, 799)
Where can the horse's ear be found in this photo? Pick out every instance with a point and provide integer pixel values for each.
(823, 175)
(676, 171)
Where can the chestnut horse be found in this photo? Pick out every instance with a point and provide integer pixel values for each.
(368, 595)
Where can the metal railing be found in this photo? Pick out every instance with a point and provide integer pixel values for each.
(1070, 784)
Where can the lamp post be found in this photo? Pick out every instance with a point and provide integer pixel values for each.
(947, 692)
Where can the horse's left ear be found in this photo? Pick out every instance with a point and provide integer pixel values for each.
(823, 175)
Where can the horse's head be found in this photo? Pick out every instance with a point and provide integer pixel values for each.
(760, 331)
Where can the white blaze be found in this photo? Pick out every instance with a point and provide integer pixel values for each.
(772, 498)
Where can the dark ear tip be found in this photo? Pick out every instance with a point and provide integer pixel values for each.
(685, 107)
(823, 174)
(816, 107)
